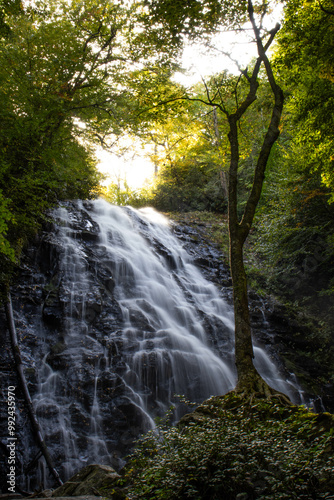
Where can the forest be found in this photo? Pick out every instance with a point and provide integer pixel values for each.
(246, 152)
(76, 77)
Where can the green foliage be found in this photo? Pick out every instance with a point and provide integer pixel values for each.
(72, 74)
(230, 447)
(196, 18)
(8, 8)
(5, 218)
(305, 62)
(188, 185)
(51, 83)
(65, 73)
(291, 251)
(117, 195)
(191, 147)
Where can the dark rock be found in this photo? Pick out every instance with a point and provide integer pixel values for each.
(10, 496)
(91, 376)
(84, 497)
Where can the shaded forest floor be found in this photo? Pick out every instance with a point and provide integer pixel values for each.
(236, 449)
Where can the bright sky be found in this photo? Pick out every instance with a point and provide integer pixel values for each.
(132, 167)
(199, 63)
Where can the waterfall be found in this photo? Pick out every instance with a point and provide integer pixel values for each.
(139, 325)
(162, 303)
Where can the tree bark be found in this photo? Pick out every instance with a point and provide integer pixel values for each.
(20, 370)
(222, 173)
(244, 353)
(249, 380)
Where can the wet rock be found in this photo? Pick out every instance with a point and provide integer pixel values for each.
(10, 496)
(80, 417)
(88, 370)
(84, 497)
(58, 348)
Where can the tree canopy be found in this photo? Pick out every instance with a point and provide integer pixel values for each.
(305, 61)
(67, 82)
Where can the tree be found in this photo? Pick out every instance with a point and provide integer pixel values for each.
(67, 76)
(304, 62)
(190, 150)
(295, 227)
(53, 99)
(234, 101)
(8, 8)
(187, 172)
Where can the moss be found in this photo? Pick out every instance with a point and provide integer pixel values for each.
(97, 480)
(58, 348)
(231, 447)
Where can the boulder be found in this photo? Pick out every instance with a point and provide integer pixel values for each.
(96, 480)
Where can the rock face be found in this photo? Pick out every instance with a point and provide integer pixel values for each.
(111, 322)
(113, 319)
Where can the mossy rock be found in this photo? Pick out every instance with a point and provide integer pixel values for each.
(58, 348)
(97, 480)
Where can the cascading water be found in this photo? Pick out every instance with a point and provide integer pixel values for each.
(171, 353)
(139, 325)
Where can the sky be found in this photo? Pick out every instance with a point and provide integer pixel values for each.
(133, 167)
(199, 63)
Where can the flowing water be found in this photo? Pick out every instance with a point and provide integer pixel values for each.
(169, 333)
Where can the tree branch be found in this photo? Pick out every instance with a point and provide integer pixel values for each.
(272, 132)
(327, 11)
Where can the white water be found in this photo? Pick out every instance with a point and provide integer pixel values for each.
(175, 347)
(176, 333)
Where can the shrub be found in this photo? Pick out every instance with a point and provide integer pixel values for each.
(232, 449)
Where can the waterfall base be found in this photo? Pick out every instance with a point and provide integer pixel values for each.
(114, 322)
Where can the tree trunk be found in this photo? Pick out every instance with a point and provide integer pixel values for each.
(249, 380)
(24, 387)
(244, 353)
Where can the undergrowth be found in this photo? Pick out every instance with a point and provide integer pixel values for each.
(232, 449)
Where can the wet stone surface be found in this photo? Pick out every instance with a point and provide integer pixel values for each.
(100, 362)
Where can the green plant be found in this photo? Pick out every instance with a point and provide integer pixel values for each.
(229, 446)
